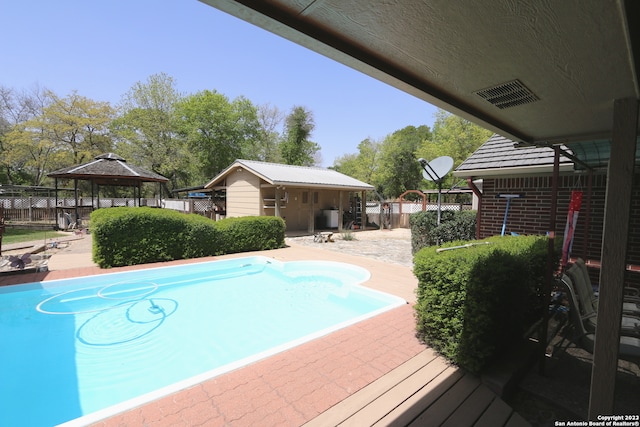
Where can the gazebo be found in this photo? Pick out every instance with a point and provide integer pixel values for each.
(107, 169)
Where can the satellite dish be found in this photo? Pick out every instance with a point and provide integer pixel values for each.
(436, 169)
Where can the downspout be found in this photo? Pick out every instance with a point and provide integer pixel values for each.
(478, 194)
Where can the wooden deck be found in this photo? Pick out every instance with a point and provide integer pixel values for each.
(423, 391)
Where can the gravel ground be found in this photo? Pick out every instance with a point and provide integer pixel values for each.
(392, 246)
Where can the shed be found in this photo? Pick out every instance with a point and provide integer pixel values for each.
(307, 198)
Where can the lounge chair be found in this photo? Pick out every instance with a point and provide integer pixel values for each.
(629, 344)
(630, 325)
(586, 296)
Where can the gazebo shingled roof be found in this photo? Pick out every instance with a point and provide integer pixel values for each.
(108, 169)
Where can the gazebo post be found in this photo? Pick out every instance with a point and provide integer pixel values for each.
(55, 210)
(75, 196)
(92, 196)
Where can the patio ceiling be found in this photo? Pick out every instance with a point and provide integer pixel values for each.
(537, 72)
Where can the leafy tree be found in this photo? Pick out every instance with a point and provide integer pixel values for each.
(146, 130)
(48, 132)
(77, 126)
(364, 165)
(20, 159)
(452, 136)
(399, 169)
(297, 147)
(217, 130)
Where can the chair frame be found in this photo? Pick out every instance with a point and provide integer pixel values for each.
(629, 349)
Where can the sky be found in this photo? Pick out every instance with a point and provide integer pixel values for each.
(102, 48)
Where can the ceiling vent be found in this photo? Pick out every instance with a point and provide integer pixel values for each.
(507, 95)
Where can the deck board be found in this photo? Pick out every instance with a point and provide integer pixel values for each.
(424, 391)
(393, 397)
(468, 413)
(447, 403)
(516, 420)
(497, 414)
(346, 408)
(407, 411)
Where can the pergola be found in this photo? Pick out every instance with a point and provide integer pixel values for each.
(107, 169)
(541, 73)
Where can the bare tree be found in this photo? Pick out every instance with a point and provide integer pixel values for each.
(270, 119)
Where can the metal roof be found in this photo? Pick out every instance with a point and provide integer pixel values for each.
(293, 176)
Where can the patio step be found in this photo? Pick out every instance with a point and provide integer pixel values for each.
(424, 391)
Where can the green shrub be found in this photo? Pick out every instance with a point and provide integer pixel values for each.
(251, 233)
(454, 225)
(473, 302)
(131, 236)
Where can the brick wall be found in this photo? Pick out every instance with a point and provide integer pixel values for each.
(531, 214)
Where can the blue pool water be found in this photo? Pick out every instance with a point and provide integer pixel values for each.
(74, 351)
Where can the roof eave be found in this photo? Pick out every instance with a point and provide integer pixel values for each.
(323, 186)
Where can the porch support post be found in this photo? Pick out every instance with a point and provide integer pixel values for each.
(312, 218)
(587, 217)
(549, 270)
(617, 208)
(363, 210)
(55, 210)
(75, 197)
(478, 194)
(277, 205)
(340, 211)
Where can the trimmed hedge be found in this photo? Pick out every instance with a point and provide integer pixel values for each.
(141, 235)
(474, 302)
(454, 225)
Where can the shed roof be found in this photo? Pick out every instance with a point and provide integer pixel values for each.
(500, 156)
(108, 168)
(293, 176)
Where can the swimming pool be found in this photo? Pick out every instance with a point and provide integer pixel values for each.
(77, 350)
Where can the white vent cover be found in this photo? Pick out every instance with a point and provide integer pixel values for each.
(507, 95)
